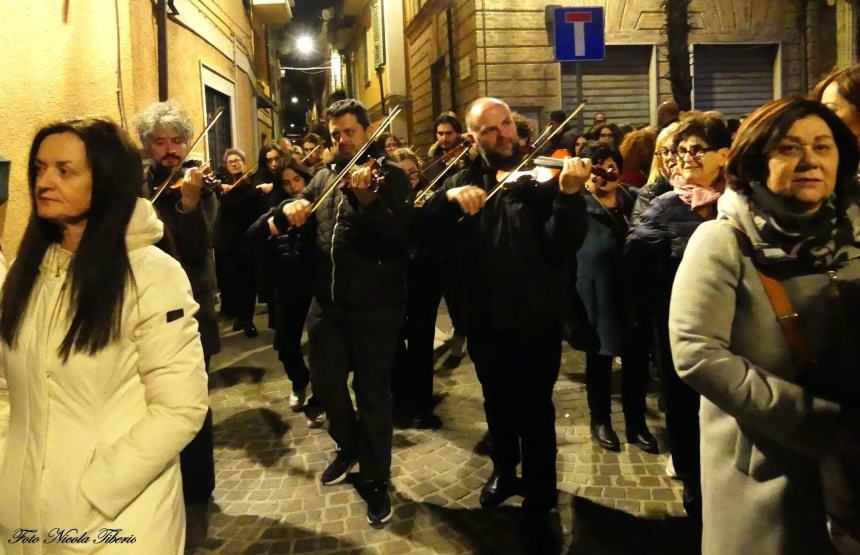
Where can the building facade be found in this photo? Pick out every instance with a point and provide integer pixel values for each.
(94, 58)
(742, 54)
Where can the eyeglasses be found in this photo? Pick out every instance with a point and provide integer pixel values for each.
(412, 173)
(696, 151)
(665, 152)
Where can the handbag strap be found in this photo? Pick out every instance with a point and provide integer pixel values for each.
(788, 319)
(786, 316)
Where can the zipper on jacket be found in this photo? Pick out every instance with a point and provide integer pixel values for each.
(331, 249)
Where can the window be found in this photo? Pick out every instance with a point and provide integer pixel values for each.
(219, 137)
(374, 44)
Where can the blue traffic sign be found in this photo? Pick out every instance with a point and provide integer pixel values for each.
(579, 34)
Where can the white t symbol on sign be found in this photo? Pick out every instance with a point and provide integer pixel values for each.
(579, 19)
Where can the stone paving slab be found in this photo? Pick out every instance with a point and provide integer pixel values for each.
(268, 497)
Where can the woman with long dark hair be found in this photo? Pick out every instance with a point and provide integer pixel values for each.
(99, 349)
(290, 275)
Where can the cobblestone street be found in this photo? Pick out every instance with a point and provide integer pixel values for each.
(269, 500)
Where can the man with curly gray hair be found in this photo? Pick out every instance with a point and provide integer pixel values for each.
(188, 213)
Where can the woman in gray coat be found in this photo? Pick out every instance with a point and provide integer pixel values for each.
(769, 416)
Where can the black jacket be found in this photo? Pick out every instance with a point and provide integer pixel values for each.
(191, 233)
(655, 247)
(646, 196)
(514, 250)
(361, 252)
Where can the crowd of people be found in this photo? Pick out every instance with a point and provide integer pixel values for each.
(723, 254)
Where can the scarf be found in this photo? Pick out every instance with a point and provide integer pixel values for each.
(696, 195)
(814, 240)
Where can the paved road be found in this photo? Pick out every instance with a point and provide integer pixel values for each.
(269, 500)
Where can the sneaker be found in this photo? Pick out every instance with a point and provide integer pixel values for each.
(297, 399)
(315, 415)
(338, 469)
(670, 468)
(458, 346)
(378, 506)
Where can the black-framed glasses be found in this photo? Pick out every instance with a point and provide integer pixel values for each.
(696, 151)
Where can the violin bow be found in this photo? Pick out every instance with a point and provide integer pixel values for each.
(178, 166)
(441, 158)
(361, 152)
(245, 175)
(540, 142)
(429, 189)
(308, 155)
(528, 158)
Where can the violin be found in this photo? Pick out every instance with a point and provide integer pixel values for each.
(464, 145)
(549, 162)
(430, 189)
(210, 182)
(377, 174)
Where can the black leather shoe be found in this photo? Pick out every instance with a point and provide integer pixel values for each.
(426, 422)
(605, 436)
(251, 331)
(643, 439)
(499, 488)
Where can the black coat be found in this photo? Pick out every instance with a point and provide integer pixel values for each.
(191, 234)
(361, 252)
(513, 250)
(601, 275)
(656, 245)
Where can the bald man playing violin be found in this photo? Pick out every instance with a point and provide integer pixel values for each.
(514, 247)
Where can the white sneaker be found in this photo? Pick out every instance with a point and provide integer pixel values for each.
(457, 346)
(316, 419)
(297, 399)
(670, 468)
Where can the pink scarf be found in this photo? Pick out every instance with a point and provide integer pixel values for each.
(696, 195)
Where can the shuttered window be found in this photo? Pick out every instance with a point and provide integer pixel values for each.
(733, 78)
(618, 86)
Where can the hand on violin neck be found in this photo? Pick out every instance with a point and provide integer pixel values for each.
(469, 198)
(265, 187)
(192, 189)
(297, 212)
(574, 174)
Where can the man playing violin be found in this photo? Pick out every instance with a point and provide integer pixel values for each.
(514, 246)
(359, 300)
(188, 213)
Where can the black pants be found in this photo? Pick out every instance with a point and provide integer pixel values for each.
(682, 409)
(634, 386)
(517, 371)
(364, 342)
(197, 463)
(412, 376)
(292, 303)
(239, 289)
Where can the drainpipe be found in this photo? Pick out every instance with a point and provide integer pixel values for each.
(803, 29)
(161, 23)
(452, 74)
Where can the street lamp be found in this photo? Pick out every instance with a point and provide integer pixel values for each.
(305, 44)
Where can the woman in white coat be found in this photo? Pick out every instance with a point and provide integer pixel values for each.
(100, 358)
